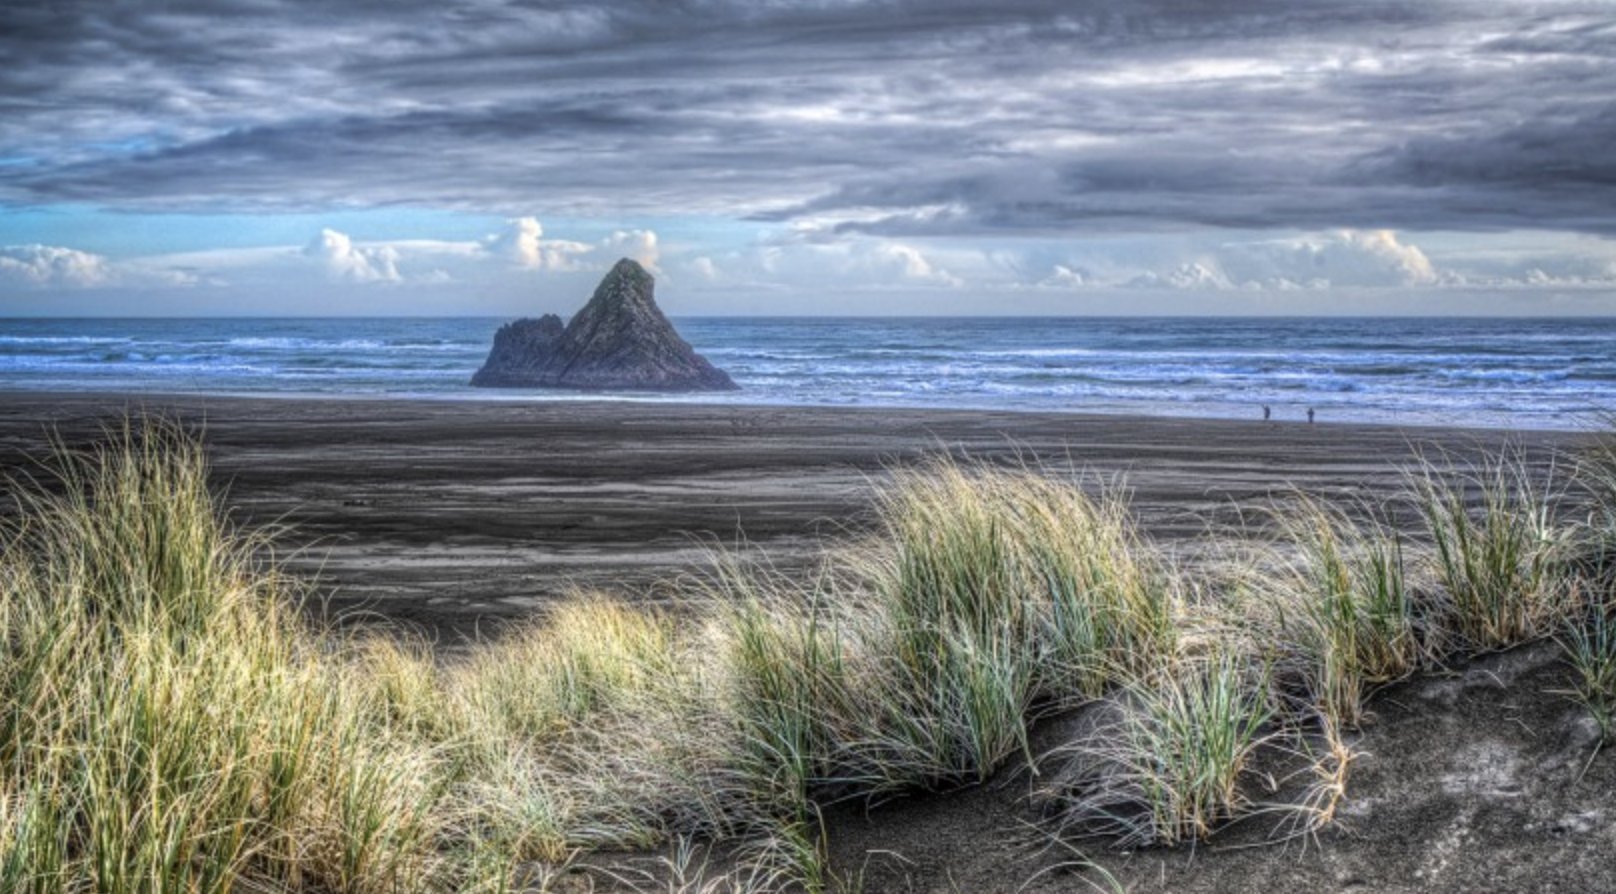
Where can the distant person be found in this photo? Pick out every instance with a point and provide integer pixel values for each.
(1309, 415)
(1267, 412)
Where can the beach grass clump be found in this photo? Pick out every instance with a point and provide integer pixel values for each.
(920, 655)
(587, 656)
(601, 726)
(1588, 642)
(792, 695)
(1337, 608)
(956, 615)
(1030, 555)
(1173, 764)
(400, 681)
(1108, 598)
(1501, 557)
(1595, 472)
(1589, 648)
(129, 527)
(167, 723)
(822, 705)
(1000, 590)
(593, 727)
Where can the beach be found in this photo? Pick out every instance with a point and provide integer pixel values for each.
(451, 519)
(807, 448)
(455, 516)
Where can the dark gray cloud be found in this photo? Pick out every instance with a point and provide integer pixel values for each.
(888, 117)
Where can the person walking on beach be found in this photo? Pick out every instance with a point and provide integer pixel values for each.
(1309, 415)
(1267, 412)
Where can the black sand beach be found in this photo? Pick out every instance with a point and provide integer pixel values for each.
(455, 515)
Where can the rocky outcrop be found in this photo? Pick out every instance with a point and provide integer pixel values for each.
(619, 341)
(520, 351)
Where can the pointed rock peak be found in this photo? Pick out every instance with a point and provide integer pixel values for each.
(630, 270)
(627, 283)
(619, 341)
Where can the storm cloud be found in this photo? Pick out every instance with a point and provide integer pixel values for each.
(887, 119)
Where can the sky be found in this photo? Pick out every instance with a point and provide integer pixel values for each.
(269, 157)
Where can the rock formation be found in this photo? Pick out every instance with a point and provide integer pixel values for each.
(520, 349)
(619, 341)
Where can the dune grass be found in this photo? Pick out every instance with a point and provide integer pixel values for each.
(170, 722)
(167, 724)
(1502, 564)
(1336, 605)
(1589, 643)
(1169, 765)
(1590, 649)
(998, 592)
(1596, 473)
(1198, 728)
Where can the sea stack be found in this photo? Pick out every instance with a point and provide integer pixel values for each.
(620, 341)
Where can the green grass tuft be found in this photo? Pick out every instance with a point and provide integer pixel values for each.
(1590, 649)
(1499, 553)
(1338, 607)
(1171, 768)
(168, 724)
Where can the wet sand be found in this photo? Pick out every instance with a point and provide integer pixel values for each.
(454, 516)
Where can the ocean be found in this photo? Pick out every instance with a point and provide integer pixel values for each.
(1505, 373)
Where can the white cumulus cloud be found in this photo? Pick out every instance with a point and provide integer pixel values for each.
(347, 262)
(1065, 277)
(1372, 258)
(523, 244)
(47, 267)
(43, 266)
(1340, 258)
(704, 267)
(856, 261)
(1203, 274)
(905, 262)
(640, 245)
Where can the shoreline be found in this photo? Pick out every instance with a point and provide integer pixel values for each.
(1508, 376)
(494, 396)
